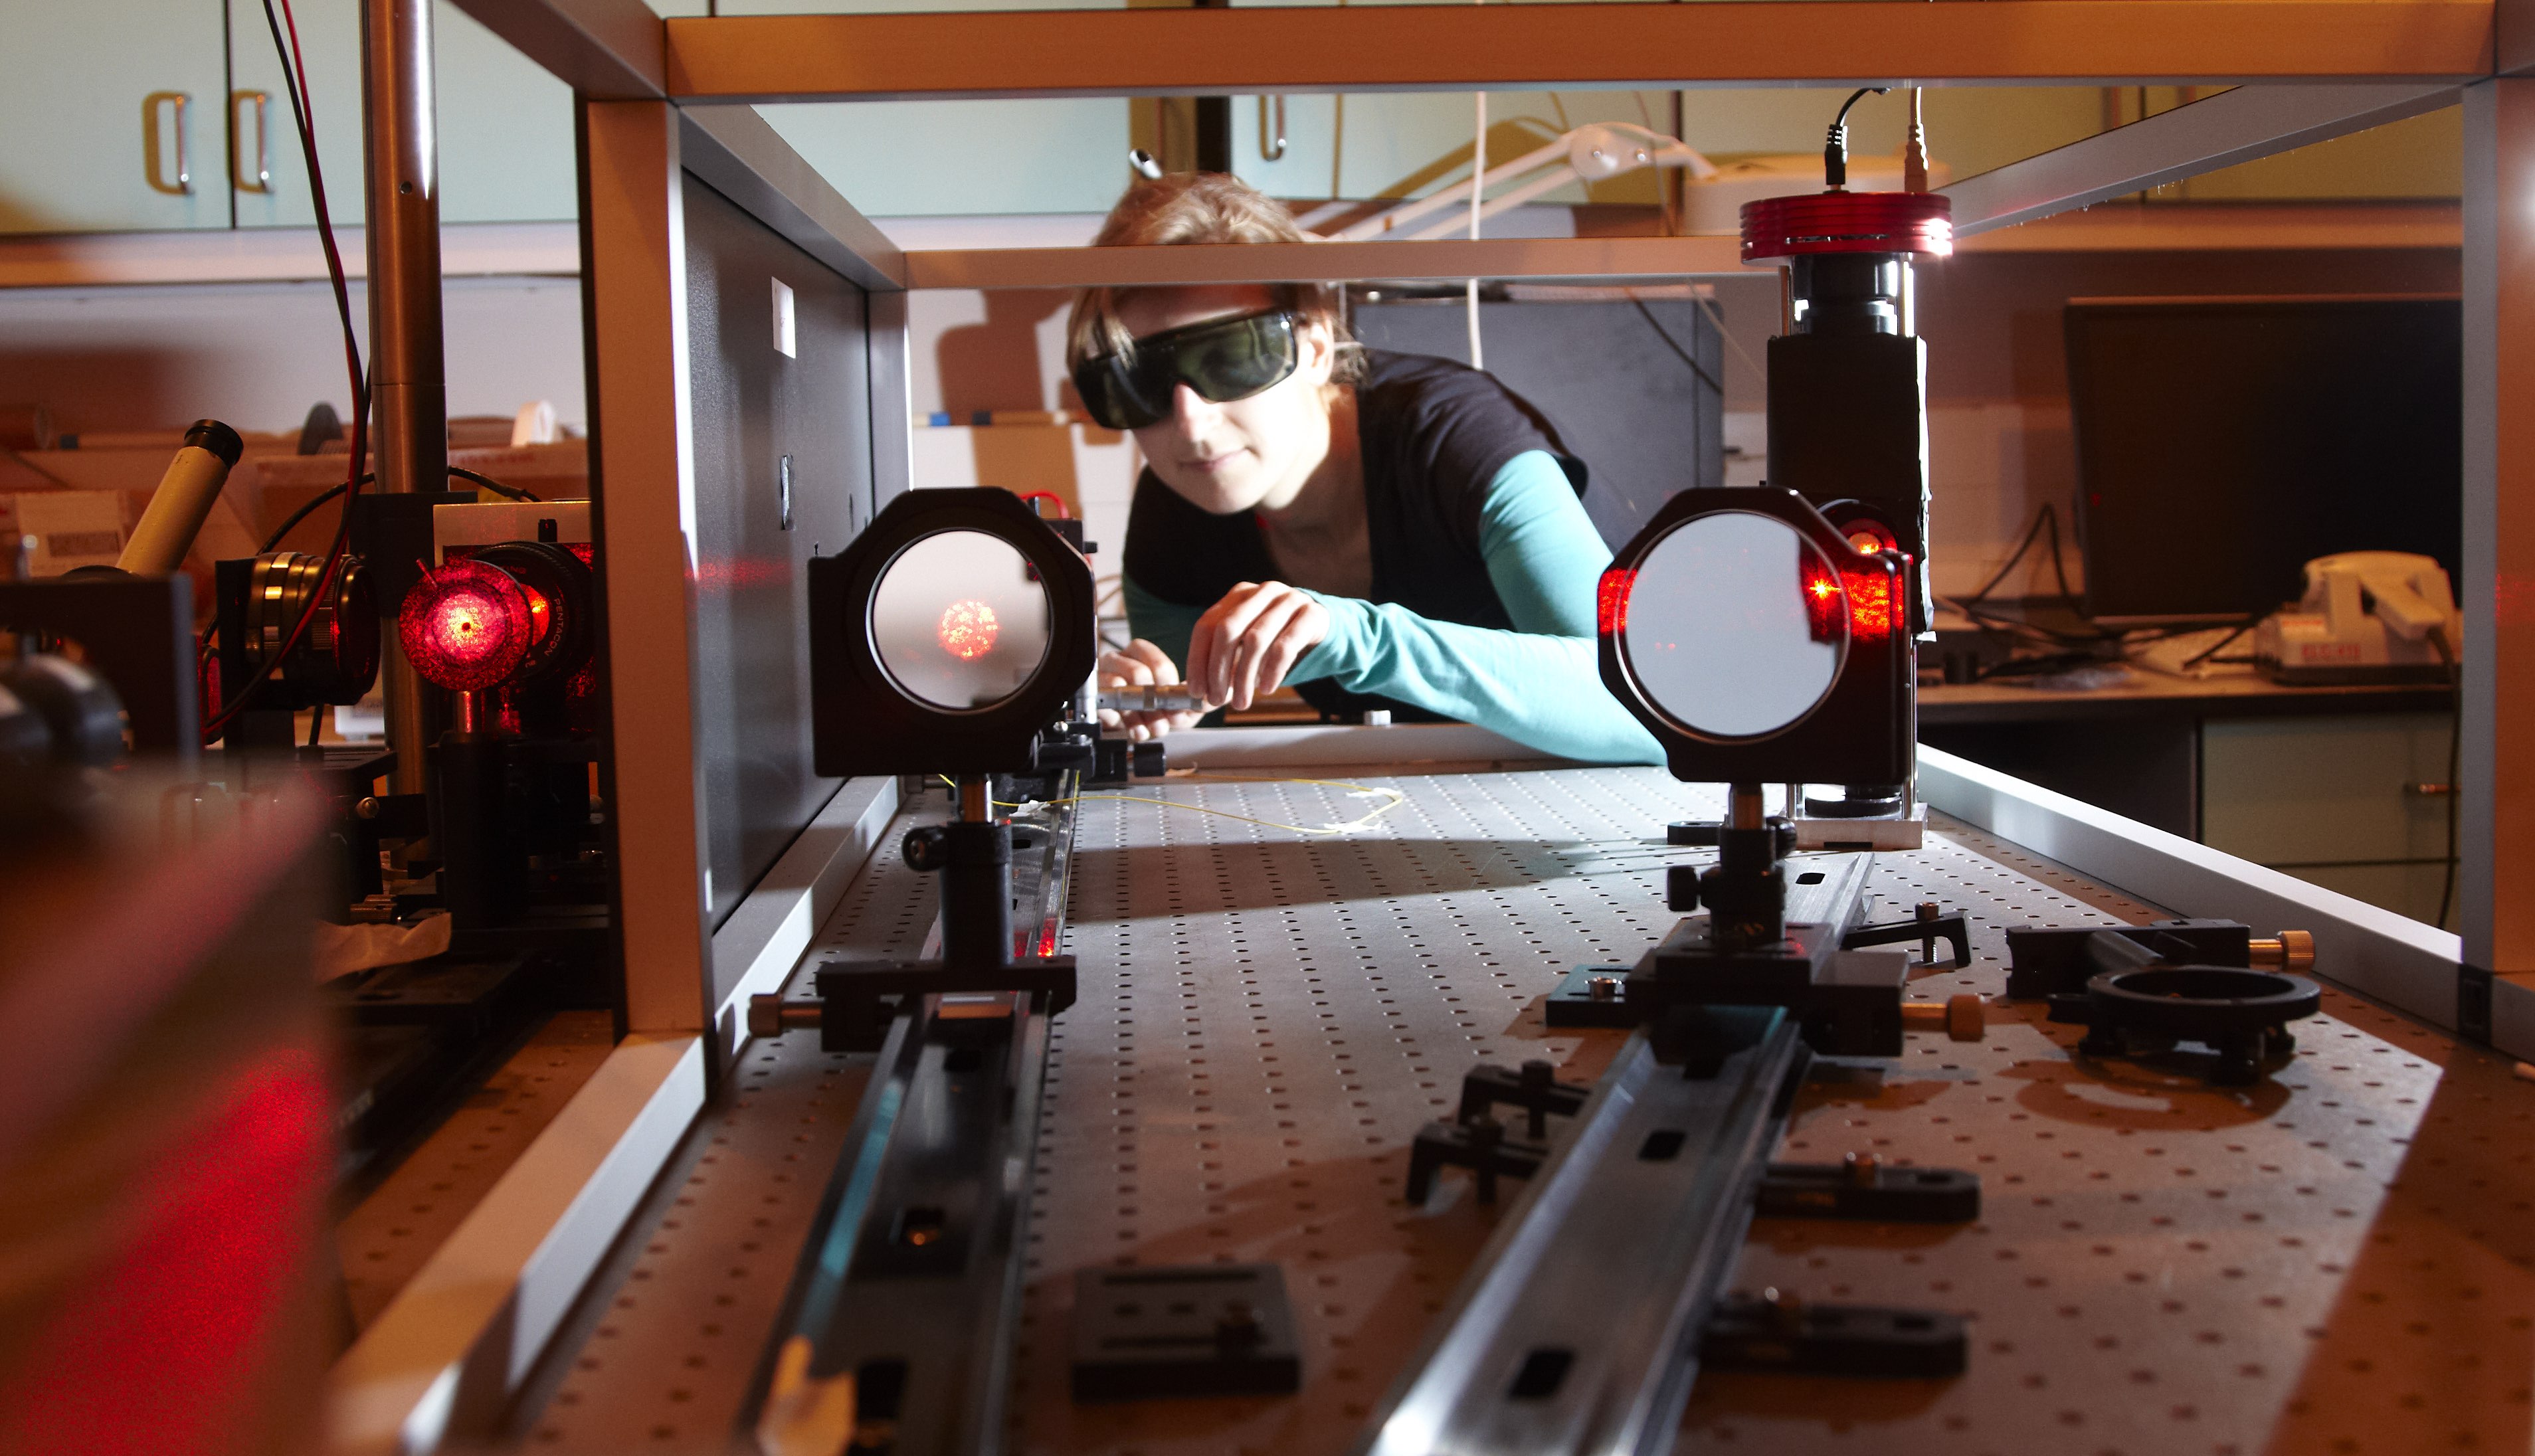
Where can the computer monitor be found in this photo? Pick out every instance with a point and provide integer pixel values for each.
(2224, 443)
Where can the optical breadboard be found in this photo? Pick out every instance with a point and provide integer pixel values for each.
(2339, 1258)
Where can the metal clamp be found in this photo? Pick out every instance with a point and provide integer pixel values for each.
(1863, 1187)
(1780, 1333)
(1927, 926)
(1534, 1090)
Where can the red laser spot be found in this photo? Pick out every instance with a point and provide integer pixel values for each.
(967, 630)
(466, 625)
(1820, 587)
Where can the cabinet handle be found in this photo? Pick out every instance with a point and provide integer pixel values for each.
(263, 182)
(152, 165)
(1272, 149)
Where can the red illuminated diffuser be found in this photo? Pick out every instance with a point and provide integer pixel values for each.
(967, 630)
(466, 625)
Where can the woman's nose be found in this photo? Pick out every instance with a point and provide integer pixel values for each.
(1193, 410)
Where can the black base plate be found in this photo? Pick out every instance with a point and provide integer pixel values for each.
(1195, 1330)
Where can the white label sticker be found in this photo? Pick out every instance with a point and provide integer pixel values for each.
(783, 319)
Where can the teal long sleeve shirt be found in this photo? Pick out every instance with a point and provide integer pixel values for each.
(1539, 684)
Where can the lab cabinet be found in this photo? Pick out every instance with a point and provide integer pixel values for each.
(2342, 787)
(95, 82)
(2357, 804)
(97, 93)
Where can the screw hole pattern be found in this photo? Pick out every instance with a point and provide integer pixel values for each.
(1265, 1020)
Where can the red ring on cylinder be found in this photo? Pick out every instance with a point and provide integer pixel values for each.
(465, 625)
(1921, 222)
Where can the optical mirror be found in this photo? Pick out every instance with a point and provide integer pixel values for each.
(1736, 625)
(959, 622)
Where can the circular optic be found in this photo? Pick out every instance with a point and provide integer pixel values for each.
(337, 658)
(557, 588)
(465, 625)
(959, 620)
(1735, 625)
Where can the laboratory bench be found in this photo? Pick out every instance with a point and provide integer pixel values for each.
(2337, 1257)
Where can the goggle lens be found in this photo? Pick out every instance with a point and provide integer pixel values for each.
(1222, 360)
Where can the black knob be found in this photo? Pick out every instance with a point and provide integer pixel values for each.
(925, 847)
(1694, 833)
(1681, 888)
(1151, 758)
(1786, 836)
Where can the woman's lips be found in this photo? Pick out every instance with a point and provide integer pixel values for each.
(1214, 464)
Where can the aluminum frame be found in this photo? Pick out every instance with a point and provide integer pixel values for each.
(442, 1363)
(1397, 48)
(485, 1305)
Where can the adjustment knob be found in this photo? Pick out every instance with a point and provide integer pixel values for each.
(925, 847)
(1681, 888)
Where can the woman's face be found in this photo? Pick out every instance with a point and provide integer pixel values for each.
(1252, 452)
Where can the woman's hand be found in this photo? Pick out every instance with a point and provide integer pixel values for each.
(1246, 643)
(1141, 665)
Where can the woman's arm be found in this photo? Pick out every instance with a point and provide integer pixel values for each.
(1541, 684)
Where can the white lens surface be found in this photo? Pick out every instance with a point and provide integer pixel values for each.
(1720, 633)
(957, 621)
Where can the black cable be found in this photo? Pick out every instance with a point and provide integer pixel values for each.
(2210, 652)
(495, 486)
(293, 79)
(2047, 516)
(300, 515)
(1679, 352)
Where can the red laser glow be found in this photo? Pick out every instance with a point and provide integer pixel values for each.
(1611, 602)
(967, 630)
(1870, 604)
(466, 625)
(1820, 585)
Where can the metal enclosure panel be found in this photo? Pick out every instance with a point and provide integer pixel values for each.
(1631, 386)
(754, 408)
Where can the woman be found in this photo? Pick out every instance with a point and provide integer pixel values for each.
(1379, 530)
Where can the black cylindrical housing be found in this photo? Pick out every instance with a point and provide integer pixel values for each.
(483, 872)
(1849, 293)
(977, 894)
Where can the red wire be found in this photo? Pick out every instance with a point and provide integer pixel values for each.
(1062, 511)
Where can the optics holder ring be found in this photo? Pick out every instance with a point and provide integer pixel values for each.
(1864, 730)
(1920, 222)
(863, 722)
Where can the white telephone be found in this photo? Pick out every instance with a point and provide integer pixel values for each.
(2367, 617)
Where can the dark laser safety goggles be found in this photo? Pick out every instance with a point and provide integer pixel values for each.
(1223, 359)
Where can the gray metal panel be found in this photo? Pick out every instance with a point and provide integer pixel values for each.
(2234, 126)
(2375, 952)
(1633, 388)
(736, 153)
(609, 51)
(751, 408)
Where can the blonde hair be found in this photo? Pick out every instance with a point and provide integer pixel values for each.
(1198, 207)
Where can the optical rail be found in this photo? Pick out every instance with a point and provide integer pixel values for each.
(2340, 1254)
